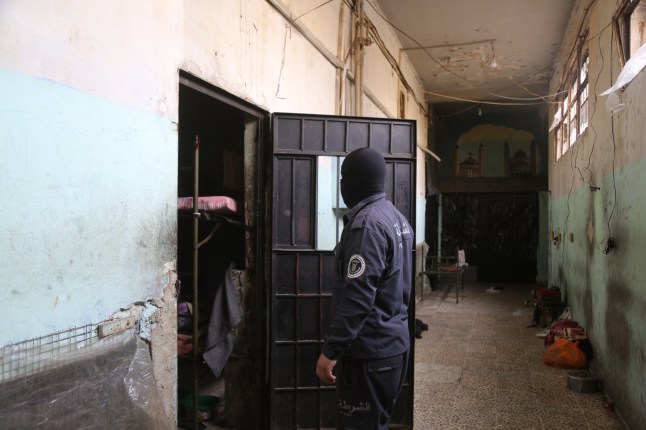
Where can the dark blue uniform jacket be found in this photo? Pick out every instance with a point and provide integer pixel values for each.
(370, 302)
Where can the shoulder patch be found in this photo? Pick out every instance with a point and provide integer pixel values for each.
(356, 266)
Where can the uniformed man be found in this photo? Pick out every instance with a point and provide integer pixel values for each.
(368, 333)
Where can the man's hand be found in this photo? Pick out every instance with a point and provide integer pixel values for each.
(324, 370)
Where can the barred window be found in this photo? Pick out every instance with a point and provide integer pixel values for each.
(571, 115)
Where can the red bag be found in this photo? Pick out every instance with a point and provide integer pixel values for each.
(557, 331)
(548, 294)
(565, 354)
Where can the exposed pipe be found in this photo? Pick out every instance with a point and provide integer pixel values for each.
(359, 52)
(342, 72)
(395, 64)
(450, 45)
(285, 12)
(439, 225)
(429, 152)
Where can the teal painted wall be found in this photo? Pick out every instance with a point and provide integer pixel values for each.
(605, 291)
(88, 209)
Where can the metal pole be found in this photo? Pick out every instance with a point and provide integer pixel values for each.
(439, 225)
(359, 53)
(196, 312)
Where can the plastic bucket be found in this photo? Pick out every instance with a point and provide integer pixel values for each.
(206, 405)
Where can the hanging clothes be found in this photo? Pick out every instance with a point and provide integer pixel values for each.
(225, 316)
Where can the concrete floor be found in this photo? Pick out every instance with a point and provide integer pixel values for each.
(480, 367)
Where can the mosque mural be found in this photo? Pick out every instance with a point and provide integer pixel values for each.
(496, 151)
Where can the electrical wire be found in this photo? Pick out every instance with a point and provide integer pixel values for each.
(312, 10)
(419, 45)
(610, 244)
(484, 102)
(544, 98)
(586, 168)
(594, 111)
(372, 29)
(538, 96)
(599, 32)
(528, 100)
(574, 156)
(414, 41)
(576, 42)
(614, 183)
(459, 112)
(569, 195)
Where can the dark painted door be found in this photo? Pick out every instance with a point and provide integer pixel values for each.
(307, 209)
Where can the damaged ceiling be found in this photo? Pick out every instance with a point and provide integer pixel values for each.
(474, 50)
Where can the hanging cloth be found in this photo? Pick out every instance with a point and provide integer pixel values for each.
(224, 318)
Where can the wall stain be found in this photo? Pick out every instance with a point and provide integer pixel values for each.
(618, 332)
(586, 302)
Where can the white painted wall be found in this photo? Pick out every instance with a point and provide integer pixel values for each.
(121, 51)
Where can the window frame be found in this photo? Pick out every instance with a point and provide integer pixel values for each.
(623, 25)
(573, 101)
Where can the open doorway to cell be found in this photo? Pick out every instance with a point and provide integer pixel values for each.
(220, 355)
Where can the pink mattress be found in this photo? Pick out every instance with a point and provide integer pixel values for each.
(221, 205)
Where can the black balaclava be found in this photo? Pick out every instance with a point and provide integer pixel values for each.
(363, 173)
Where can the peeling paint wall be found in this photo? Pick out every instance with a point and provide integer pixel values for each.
(605, 290)
(87, 218)
(88, 124)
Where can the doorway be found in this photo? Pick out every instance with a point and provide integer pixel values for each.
(271, 240)
(219, 265)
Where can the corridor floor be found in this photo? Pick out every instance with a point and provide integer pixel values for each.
(480, 367)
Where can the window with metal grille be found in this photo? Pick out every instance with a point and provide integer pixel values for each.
(571, 117)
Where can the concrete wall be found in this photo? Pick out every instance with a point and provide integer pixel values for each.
(605, 290)
(88, 130)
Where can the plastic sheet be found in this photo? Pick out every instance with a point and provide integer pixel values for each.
(107, 385)
(632, 67)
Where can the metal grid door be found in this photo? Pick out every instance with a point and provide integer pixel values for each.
(301, 275)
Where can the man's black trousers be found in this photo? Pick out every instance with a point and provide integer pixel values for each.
(367, 391)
